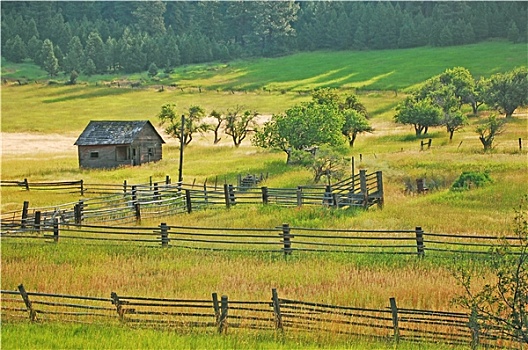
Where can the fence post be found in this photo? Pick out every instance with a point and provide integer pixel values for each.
(475, 328)
(55, 230)
(137, 211)
(394, 310)
(134, 193)
(520, 144)
(419, 242)
(77, 212)
(206, 197)
(265, 197)
(188, 200)
(276, 309)
(26, 184)
(119, 306)
(379, 181)
(232, 198)
(363, 186)
(429, 143)
(25, 208)
(226, 195)
(124, 187)
(216, 308)
(82, 187)
(222, 322)
(286, 239)
(167, 180)
(37, 220)
(157, 196)
(299, 196)
(29, 306)
(164, 234)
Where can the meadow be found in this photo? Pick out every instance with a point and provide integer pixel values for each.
(60, 113)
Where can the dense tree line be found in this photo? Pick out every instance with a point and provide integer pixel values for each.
(109, 36)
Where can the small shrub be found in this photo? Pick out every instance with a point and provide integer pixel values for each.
(471, 178)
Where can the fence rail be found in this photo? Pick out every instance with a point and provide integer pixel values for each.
(125, 203)
(277, 314)
(281, 239)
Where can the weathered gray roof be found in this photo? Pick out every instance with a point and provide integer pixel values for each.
(113, 132)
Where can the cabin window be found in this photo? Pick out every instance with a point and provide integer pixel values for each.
(94, 154)
(151, 152)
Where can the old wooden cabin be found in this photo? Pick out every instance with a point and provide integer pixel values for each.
(109, 144)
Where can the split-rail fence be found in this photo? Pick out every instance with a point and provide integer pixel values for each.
(219, 314)
(280, 239)
(125, 203)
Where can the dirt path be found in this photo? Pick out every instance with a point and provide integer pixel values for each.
(27, 143)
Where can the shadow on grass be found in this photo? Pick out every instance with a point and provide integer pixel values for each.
(95, 93)
(410, 137)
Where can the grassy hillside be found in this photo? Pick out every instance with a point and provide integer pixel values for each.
(371, 70)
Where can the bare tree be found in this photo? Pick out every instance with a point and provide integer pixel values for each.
(239, 123)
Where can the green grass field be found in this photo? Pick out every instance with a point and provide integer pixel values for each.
(59, 113)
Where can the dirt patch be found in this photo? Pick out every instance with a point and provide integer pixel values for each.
(27, 143)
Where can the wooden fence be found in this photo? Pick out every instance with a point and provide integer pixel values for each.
(275, 314)
(281, 239)
(129, 203)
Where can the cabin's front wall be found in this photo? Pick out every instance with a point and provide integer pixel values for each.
(100, 156)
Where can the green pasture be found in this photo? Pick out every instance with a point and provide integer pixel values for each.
(92, 336)
(58, 112)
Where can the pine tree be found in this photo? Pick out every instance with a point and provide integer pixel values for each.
(74, 59)
(15, 49)
(50, 64)
(94, 50)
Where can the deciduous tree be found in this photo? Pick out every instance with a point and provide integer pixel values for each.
(489, 130)
(421, 114)
(507, 91)
(239, 123)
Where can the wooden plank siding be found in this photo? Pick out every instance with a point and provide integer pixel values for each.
(110, 144)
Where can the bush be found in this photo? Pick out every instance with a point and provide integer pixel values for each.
(471, 178)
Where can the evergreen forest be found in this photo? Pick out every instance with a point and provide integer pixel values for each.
(99, 37)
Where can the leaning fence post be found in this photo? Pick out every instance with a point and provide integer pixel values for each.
(55, 230)
(276, 309)
(119, 306)
(420, 242)
(164, 229)
(25, 207)
(216, 307)
(394, 310)
(222, 322)
(379, 182)
(29, 306)
(286, 239)
(226, 195)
